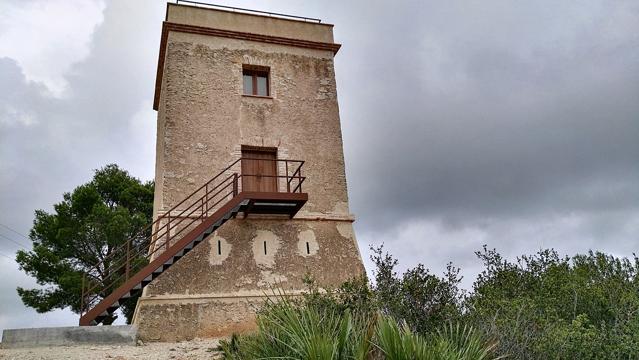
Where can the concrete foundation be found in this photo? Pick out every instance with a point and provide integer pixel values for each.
(71, 335)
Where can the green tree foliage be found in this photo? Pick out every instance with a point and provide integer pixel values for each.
(549, 307)
(421, 299)
(82, 231)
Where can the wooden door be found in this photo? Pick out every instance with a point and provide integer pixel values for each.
(259, 169)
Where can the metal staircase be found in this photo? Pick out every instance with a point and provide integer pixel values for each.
(127, 269)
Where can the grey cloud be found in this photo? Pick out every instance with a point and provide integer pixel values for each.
(94, 124)
(536, 119)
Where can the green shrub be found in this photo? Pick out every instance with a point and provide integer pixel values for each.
(456, 342)
(423, 300)
(540, 306)
(544, 306)
(452, 342)
(323, 326)
(399, 343)
(293, 330)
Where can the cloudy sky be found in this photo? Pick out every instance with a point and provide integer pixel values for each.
(511, 124)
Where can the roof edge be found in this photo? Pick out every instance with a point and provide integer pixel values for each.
(248, 12)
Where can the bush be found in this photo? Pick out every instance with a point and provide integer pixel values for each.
(341, 324)
(292, 330)
(540, 306)
(422, 300)
(545, 306)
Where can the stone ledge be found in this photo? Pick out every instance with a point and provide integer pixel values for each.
(70, 335)
(236, 296)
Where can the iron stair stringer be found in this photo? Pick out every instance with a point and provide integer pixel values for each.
(164, 261)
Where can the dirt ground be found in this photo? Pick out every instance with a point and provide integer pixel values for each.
(195, 349)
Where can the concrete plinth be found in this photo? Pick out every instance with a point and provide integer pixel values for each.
(71, 335)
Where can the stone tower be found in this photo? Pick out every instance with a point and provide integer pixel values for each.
(241, 84)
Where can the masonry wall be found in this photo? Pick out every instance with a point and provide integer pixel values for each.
(203, 120)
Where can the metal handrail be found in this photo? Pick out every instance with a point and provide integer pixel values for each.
(118, 265)
(146, 228)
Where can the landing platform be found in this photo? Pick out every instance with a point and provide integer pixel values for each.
(274, 203)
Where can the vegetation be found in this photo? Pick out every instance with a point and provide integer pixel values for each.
(421, 299)
(539, 306)
(329, 326)
(549, 307)
(84, 228)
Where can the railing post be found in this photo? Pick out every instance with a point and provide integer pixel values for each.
(235, 190)
(128, 258)
(300, 178)
(288, 183)
(168, 232)
(206, 196)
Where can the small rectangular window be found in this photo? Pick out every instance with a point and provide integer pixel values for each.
(256, 80)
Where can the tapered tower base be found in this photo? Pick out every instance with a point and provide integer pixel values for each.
(215, 290)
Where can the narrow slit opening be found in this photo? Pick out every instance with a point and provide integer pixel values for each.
(264, 247)
(308, 248)
(219, 247)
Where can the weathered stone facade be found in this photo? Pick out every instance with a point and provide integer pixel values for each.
(203, 120)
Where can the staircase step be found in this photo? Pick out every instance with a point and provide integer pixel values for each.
(137, 289)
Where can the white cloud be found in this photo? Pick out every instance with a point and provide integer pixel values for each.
(46, 37)
(142, 128)
(12, 116)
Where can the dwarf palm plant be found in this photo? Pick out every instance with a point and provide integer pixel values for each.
(453, 342)
(288, 330)
(398, 342)
(456, 342)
